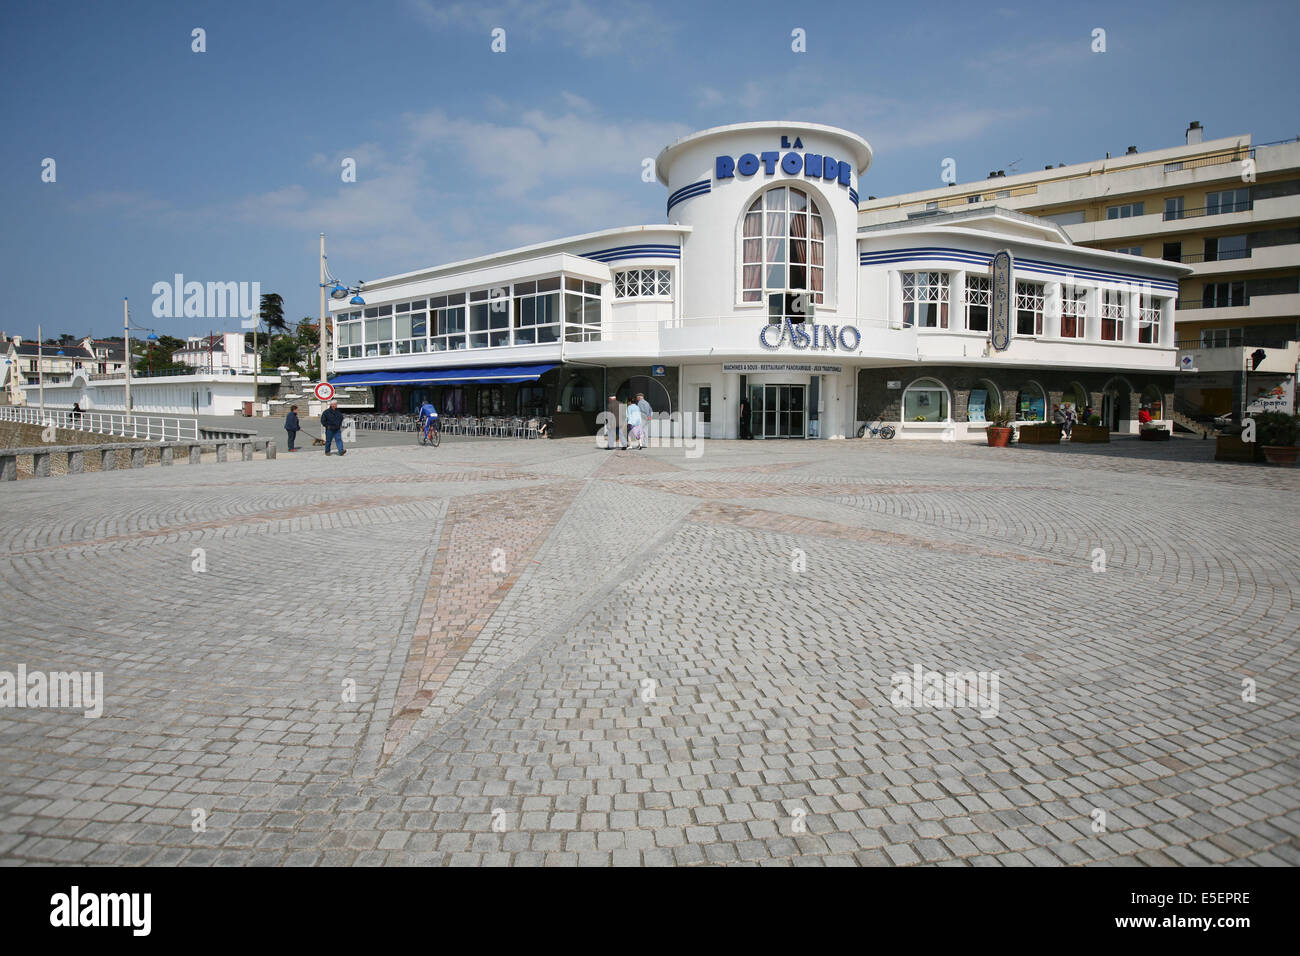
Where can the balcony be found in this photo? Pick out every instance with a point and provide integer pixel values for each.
(1286, 305)
(1279, 357)
(1191, 221)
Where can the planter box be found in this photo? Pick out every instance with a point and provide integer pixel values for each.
(1039, 434)
(1284, 455)
(1090, 433)
(1153, 434)
(1232, 448)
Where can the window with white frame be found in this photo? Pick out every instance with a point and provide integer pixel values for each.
(411, 327)
(1074, 312)
(783, 245)
(489, 318)
(537, 311)
(378, 330)
(1112, 315)
(643, 283)
(979, 299)
(1148, 320)
(582, 310)
(1125, 210)
(347, 330)
(1029, 308)
(1227, 200)
(925, 300)
(448, 332)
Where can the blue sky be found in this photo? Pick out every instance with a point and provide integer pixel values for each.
(225, 165)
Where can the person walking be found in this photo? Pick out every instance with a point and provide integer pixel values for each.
(1071, 416)
(332, 421)
(744, 419)
(647, 413)
(634, 425)
(1058, 417)
(613, 415)
(292, 425)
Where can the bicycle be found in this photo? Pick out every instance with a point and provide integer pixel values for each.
(877, 428)
(431, 434)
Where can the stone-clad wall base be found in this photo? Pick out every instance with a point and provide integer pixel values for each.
(876, 401)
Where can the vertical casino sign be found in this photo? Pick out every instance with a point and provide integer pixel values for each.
(1000, 267)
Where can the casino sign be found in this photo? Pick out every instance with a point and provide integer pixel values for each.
(808, 335)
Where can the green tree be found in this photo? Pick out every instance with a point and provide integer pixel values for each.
(272, 312)
(156, 354)
(308, 336)
(283, 351)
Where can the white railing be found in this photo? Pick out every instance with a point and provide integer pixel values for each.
(146, 427)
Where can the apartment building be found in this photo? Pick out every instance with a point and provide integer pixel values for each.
(1227, 208)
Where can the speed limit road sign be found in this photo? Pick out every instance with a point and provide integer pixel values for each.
(324, 391)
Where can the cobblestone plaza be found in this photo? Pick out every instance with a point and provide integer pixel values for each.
(543, 653)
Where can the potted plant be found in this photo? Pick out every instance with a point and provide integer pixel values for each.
(999, 429)
(1276, 434)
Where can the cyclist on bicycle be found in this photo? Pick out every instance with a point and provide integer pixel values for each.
(428, 417)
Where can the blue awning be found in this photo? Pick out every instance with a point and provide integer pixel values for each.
(498, 375)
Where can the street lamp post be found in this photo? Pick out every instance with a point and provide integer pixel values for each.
(40, 371)
(337, 290)
(126, 344)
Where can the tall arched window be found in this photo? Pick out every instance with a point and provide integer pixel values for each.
(783, 247)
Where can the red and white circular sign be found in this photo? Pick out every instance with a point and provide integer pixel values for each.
(324, 391)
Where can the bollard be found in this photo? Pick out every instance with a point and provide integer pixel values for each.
(196, 454)
(167, 452)
(8, 467)
(270, 451)
(137, 457)
(246, 451)
(223, 452)
(76, 462)
(108, 459)
(41, 464)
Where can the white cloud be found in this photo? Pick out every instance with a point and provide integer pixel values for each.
(592, 29)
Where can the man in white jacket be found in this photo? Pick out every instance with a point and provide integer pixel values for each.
(634, 425)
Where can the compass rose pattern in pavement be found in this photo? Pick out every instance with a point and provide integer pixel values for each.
(543, 653)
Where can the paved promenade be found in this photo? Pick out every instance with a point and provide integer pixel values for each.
(541, 653)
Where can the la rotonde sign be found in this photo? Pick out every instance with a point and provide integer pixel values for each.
(812, 165)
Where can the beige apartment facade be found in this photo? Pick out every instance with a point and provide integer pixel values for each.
(1226, 208)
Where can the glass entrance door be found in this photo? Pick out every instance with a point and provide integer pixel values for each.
(777, 411)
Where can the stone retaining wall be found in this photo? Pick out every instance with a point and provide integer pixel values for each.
(54, 460)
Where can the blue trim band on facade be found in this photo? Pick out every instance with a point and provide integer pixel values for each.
(654, 250)
(968, 257)
(499, 375)
(688, 192)
(853, 195)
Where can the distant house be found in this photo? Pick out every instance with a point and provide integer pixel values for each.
(222, 353)
(110, 356)
(26, 363)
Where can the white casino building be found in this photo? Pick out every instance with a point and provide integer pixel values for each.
(762, 284)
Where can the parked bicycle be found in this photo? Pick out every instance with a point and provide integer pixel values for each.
(877, 428)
